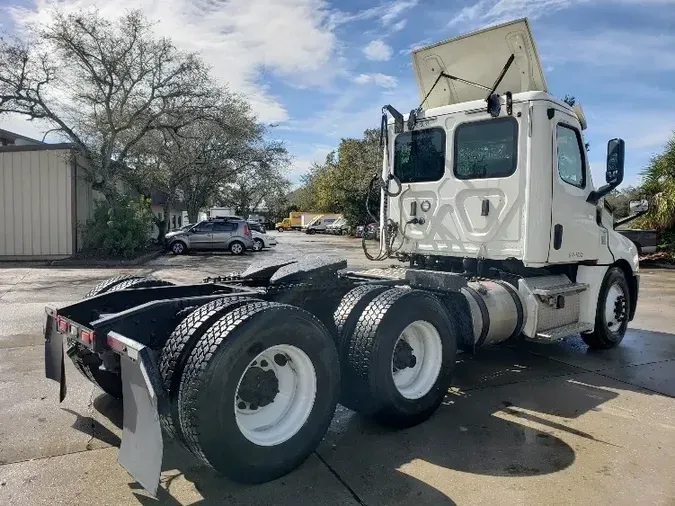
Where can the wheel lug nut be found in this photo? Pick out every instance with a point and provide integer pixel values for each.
(280, 359)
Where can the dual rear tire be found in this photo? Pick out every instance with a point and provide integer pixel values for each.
(397, 353)
(252, 386)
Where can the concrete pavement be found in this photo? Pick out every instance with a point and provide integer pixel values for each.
(526, 424)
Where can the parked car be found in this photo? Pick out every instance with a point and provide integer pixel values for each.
(231, 234)
(320, 224)
(257, 226)
(338, 227)
(262, 240)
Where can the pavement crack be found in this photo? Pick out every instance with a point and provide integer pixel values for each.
(341, 480)
(13, 285)
(90, 411)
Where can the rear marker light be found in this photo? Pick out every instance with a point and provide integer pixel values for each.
(61, 325)
(87, 336)
(115, 344)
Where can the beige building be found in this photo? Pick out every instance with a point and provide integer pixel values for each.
(43, 197)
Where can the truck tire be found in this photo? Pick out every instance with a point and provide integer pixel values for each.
(178, 347)
(348, 313)
(144, 282)
(230, 410)
(107, 284)
(88, 363)
(400, 358)
(611, 317)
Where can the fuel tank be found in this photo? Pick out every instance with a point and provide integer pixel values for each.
(497, 311)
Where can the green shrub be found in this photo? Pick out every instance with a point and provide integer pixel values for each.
(120, 229)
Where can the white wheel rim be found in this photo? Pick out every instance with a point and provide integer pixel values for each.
(282, 418)
(258, 245)
(178, 248)
(236, 248)
(416, 381)
(614, 296)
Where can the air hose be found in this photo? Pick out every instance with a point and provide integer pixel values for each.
(390, 230)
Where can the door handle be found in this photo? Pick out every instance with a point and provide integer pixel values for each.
(485, 207)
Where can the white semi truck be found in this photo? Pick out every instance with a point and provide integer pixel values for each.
(488, 201)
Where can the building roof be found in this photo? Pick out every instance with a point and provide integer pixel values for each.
(35, 147)
(13, 137)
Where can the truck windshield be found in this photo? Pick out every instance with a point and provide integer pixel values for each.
(419, 156)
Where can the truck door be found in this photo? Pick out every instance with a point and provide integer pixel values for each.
(575, 234)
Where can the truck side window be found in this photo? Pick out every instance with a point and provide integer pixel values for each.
(486, 149)
(419, 156)
(571, 166)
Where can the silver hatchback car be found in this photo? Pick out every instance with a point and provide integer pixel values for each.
(233, 235)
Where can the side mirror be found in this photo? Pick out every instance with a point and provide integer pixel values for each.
(616, 149)
(639, 206)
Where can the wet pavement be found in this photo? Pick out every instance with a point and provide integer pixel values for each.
(524, 424)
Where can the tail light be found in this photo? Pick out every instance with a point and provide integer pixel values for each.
(115, 344)
(247, 231)
(87, 336)
(61, 325)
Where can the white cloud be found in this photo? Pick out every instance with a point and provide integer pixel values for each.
(397, 27)
(382, 80)
(362, 79)
(396, 8)
(385, 12)
(377, 50)
(415, 45)
(491, 12)
(302, 163)
(292, 39)
(355, 110)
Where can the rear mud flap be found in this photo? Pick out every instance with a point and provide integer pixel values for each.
(142, 446)
(54, 356)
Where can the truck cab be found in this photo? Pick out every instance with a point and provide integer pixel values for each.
(500, 179)
(511, 185)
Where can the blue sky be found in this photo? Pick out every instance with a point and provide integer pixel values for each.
(321, 70)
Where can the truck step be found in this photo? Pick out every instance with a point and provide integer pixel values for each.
(558, 333)
(568, 288)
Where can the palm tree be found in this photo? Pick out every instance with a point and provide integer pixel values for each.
(659, 185)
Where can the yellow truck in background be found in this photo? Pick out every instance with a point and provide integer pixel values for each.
(296, 221)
